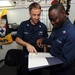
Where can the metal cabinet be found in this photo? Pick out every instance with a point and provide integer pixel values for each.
(5, 48)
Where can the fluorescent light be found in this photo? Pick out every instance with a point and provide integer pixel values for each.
(5, 3)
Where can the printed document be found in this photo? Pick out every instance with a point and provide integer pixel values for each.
(38, 60)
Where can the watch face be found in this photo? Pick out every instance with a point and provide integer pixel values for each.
(38, 1)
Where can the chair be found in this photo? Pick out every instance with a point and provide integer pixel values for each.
(13, 57)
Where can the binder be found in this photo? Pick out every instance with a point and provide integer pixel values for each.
(42, 60)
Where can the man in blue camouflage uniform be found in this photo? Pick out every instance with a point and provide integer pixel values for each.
(28, 32)
(62, 40)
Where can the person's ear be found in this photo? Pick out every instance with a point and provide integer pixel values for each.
(63, 13)
(30, 14)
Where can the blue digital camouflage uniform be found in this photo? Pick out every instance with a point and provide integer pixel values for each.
(62, 43)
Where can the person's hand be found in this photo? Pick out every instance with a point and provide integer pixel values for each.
(31, 48)
(39, 42)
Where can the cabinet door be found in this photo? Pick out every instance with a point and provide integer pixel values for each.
(1, 53)
(6, 48)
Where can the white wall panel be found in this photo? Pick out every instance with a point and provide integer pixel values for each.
(17, 15)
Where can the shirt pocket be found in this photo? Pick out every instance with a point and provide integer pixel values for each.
(27, 35)
(40, 33)
(60, 40)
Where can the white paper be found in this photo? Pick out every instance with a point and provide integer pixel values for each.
(38, 60)
(40, 54)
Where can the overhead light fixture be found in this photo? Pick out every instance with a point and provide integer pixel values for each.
(6, 3)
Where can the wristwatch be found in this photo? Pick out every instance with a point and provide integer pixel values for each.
(38, 1)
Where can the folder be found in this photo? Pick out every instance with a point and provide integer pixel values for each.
(40, 60)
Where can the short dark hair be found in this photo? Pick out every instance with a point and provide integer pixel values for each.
(34, 5)
(58, 6)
